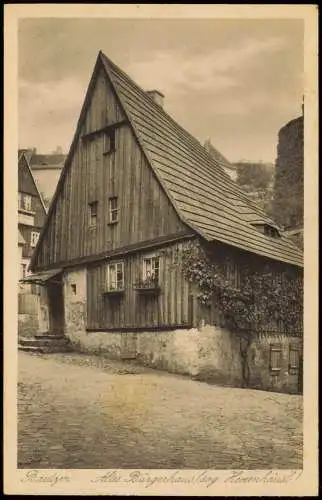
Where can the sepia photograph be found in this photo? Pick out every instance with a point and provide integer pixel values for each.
(160, 271)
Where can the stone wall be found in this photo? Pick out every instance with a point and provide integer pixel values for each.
(285, 379)
(209, 353)
(75, 306)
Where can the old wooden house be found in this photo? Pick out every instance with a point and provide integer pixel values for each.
(31, 217)
(135, 191)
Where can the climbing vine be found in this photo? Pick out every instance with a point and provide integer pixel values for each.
(257, 298)
(249, 301)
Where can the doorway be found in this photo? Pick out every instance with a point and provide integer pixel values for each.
(56, 308)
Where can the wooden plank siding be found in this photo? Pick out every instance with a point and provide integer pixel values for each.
(145, 212)
(131, 309)
(236, 265)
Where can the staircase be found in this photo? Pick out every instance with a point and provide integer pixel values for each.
(45, 343)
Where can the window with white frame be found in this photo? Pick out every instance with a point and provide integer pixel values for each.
(34, 238)
(113, 210)
(115, 277)
(27, 202)
(151, 269)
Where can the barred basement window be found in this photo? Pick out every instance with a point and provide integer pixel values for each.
(294, 357)
(275, 359)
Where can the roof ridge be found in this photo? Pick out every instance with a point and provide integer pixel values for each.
(145, 116)
(232, 186)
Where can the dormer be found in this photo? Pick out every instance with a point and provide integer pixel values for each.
(267, 229)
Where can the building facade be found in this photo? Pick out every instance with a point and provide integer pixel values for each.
(31, 217)
(136, 190)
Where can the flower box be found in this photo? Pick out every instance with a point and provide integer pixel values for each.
(146, 287)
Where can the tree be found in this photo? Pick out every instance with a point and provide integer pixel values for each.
(256, 175)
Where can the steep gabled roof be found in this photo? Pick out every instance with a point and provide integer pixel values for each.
(23, 156)
(204, 196)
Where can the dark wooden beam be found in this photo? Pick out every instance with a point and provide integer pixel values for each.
(143, 245)
(133, 329)
(106, 128)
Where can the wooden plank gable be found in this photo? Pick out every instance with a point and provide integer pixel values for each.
(184, 168)
(93, 175)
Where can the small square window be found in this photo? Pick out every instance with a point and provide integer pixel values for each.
(93, 207)
(27, 202)
(115, 277)
(275, 359)
(34, 238)
(113, 210)
(109, 142)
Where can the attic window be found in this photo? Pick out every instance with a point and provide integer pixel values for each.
(93, 214)
(109, 142)
(268, 230)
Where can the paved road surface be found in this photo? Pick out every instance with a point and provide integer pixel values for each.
(78, 411)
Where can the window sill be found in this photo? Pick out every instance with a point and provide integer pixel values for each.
(107, 153)
(26, 212)
(113, 292)
(112, 223)
(147, 290)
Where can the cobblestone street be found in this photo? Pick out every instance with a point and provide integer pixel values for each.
(78, 411)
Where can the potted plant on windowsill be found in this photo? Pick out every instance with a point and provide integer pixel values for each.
(147, 286)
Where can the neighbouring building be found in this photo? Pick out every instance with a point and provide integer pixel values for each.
(136, 190)
(31, 217)
(289, 179)
(46, 169)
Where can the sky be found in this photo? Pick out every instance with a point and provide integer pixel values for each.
(233, 81)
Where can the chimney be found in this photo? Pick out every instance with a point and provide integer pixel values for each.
(157, 97)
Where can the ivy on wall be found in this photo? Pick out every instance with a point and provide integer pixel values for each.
(247, 301)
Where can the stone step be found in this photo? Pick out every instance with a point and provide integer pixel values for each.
(48, 344)
(48, 335)
(49, 349)
(30, 348)
(43, 341)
